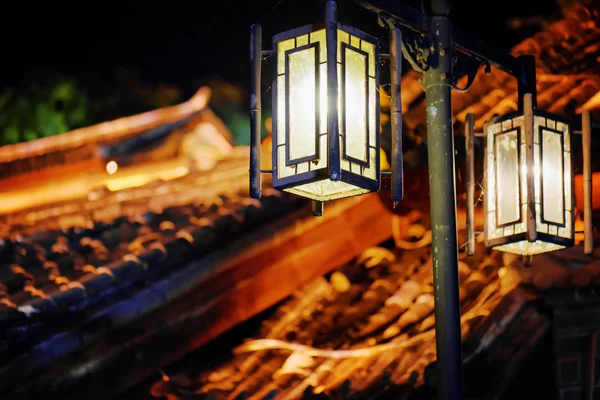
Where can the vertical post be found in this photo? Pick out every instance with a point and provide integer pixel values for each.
(333, 129)
(255, 110)
(317, 208)
(586, 128)
(396, 113)
(437, 81)
(527, 80)
(529, 170)
(470, 166)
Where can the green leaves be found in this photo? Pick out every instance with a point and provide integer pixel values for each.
(41, 106)
(46, 104)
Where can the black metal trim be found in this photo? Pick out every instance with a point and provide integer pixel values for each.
(300, 179)
(519, 166)
(288, 161)
(305, 177)
(360, 181)
(346, 46)
(541, 177)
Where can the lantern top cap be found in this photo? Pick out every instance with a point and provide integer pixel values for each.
(309, 28)
(536, 112)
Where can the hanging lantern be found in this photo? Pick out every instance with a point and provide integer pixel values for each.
(528, 183)
(326, 141)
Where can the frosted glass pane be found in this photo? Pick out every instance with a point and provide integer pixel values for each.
(343, 37)
(369, 48)
(568, 192)
(536, 172)
(321, 162)
(373, 128)
(490, 189)
(371, 172)
(283, 171)
(323, 102)
(552, 184)
(282, 47)
(319, 36)
(507, 173)
(301, 40)
(281, 117)
(302, 80)
(355, 105)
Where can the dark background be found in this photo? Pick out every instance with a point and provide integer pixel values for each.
(180, 41)
(66, 64)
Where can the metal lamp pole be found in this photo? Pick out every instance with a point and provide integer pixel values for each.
(443, 54)
(437, 82)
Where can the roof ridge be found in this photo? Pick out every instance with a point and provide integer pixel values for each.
(555, 47)
(107, 130)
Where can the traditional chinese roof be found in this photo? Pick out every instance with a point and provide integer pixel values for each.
(118, 256)
(109, 131)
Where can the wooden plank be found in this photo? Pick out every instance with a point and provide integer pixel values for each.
(250, 276)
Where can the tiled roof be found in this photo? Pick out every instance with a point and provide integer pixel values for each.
(105, 268)
(367, 332)
(568, 59)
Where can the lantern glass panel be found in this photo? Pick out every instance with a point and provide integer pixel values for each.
(552, 169)
(355, 106)
(302, 103)
(301, 139)
(507, 174)
(358, 105)
(507, 165)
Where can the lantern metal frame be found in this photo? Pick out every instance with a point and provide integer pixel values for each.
(443, 54)
(336, 113)
(334, 152)
(531, 233)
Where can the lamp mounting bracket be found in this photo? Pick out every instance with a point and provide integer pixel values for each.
(464, 66)
(414, 48)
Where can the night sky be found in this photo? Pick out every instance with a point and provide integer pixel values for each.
(181, 41)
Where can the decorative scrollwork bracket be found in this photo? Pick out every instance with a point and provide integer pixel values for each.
(463, 65)
(414, 46)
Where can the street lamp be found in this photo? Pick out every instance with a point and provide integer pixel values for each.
(326, 141)
(320, 162)
(528, 183)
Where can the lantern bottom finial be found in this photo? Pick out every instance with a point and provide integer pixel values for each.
(526, 248)
(326, 190)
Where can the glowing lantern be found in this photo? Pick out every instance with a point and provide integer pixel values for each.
(528, 183)
(325, 111)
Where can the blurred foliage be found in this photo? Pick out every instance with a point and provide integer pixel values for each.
(228, 102)
(45, 103)
(231, 103)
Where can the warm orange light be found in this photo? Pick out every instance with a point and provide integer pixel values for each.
(112, 167)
